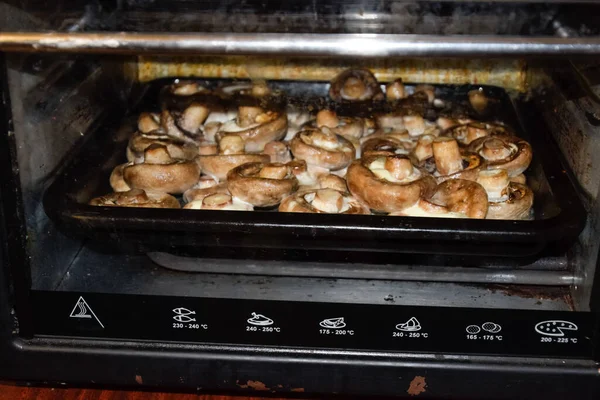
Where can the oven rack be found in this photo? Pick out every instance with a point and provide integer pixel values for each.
(276, 44)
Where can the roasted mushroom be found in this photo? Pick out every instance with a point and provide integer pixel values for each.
(136, 198)
(230, 155)
(160, 172)
(479, 101)
(278, 151)
(205, 187)
(219, 201)
(256, 127)
(140, 141)
(185, 126)
(507, 200)
(328, 201)
(388, 183)
(323, 148)
(424, 148)
(453, 163)
(355, 85)
(148, 122)
(504, 152)
(262, 184)
(455, 198)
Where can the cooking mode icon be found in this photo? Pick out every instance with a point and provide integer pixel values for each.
(555, 327)
(259, 320)
(333, 323)
(412, 325)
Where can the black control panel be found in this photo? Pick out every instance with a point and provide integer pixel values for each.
(315, 325)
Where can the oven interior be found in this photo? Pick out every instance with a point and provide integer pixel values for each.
(62, 105)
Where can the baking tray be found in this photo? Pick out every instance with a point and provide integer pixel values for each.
(559, 215)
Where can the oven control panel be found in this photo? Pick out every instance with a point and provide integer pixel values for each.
(314, 325)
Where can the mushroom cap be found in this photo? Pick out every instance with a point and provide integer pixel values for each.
(383, 195)
(117, 183)
(504, 152)
(323, 149)
(461, 196)
(218, 165)
(517, 206)
(256, 136)
(355, 85)
(159, 172)
(136, 198)
(219, 201)
(199, 193)
(245, 183)
(299, 202)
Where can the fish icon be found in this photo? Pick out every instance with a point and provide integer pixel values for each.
(183, 315)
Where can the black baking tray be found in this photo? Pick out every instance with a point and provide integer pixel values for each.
(559, 215)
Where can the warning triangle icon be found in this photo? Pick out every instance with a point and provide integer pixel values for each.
(84, 311)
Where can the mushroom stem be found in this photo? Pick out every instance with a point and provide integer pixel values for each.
(494, 149)
(273, 171)
(395, 90)
(328, 200)
(193, 117)
(495, 183)
(398, 166)
(447, 156)
(148, 122)
(353, 88)
(424, 148)
(157, 154)
(327, 118)
(231, 144)
(216, 201)
(247, 115)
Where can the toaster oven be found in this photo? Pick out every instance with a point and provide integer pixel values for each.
(465, 132)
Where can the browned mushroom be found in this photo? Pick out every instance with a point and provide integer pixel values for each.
(455, 198)
(160, 172)
(117, 182)
(508, 200)
(467, 133)
(355, 85)
(388, 183)
(445, 123)
(219, 201)
(140, 141)
(136, 198)
(328, 201)
(262, 184)
(323, 148)
(230, 155)
(428, 90)
(256, 126)
(504, 152)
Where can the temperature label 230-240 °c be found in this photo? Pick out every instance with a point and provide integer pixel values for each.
(186, 319)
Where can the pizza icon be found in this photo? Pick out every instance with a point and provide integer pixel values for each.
(555, 327)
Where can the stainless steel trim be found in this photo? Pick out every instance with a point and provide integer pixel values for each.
(342, 45)
(362, 271)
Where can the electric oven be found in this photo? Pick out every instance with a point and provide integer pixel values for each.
(391, 198)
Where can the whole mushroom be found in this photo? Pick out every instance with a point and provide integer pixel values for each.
(455, 198)
(453, 163)
(355, 85)
(323, 148)
(160, 172)
(262, 184)
(506, 152)
(507, 200)
(140, 141)
(388, 183)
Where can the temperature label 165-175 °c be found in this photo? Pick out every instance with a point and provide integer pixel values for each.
(488, 331)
